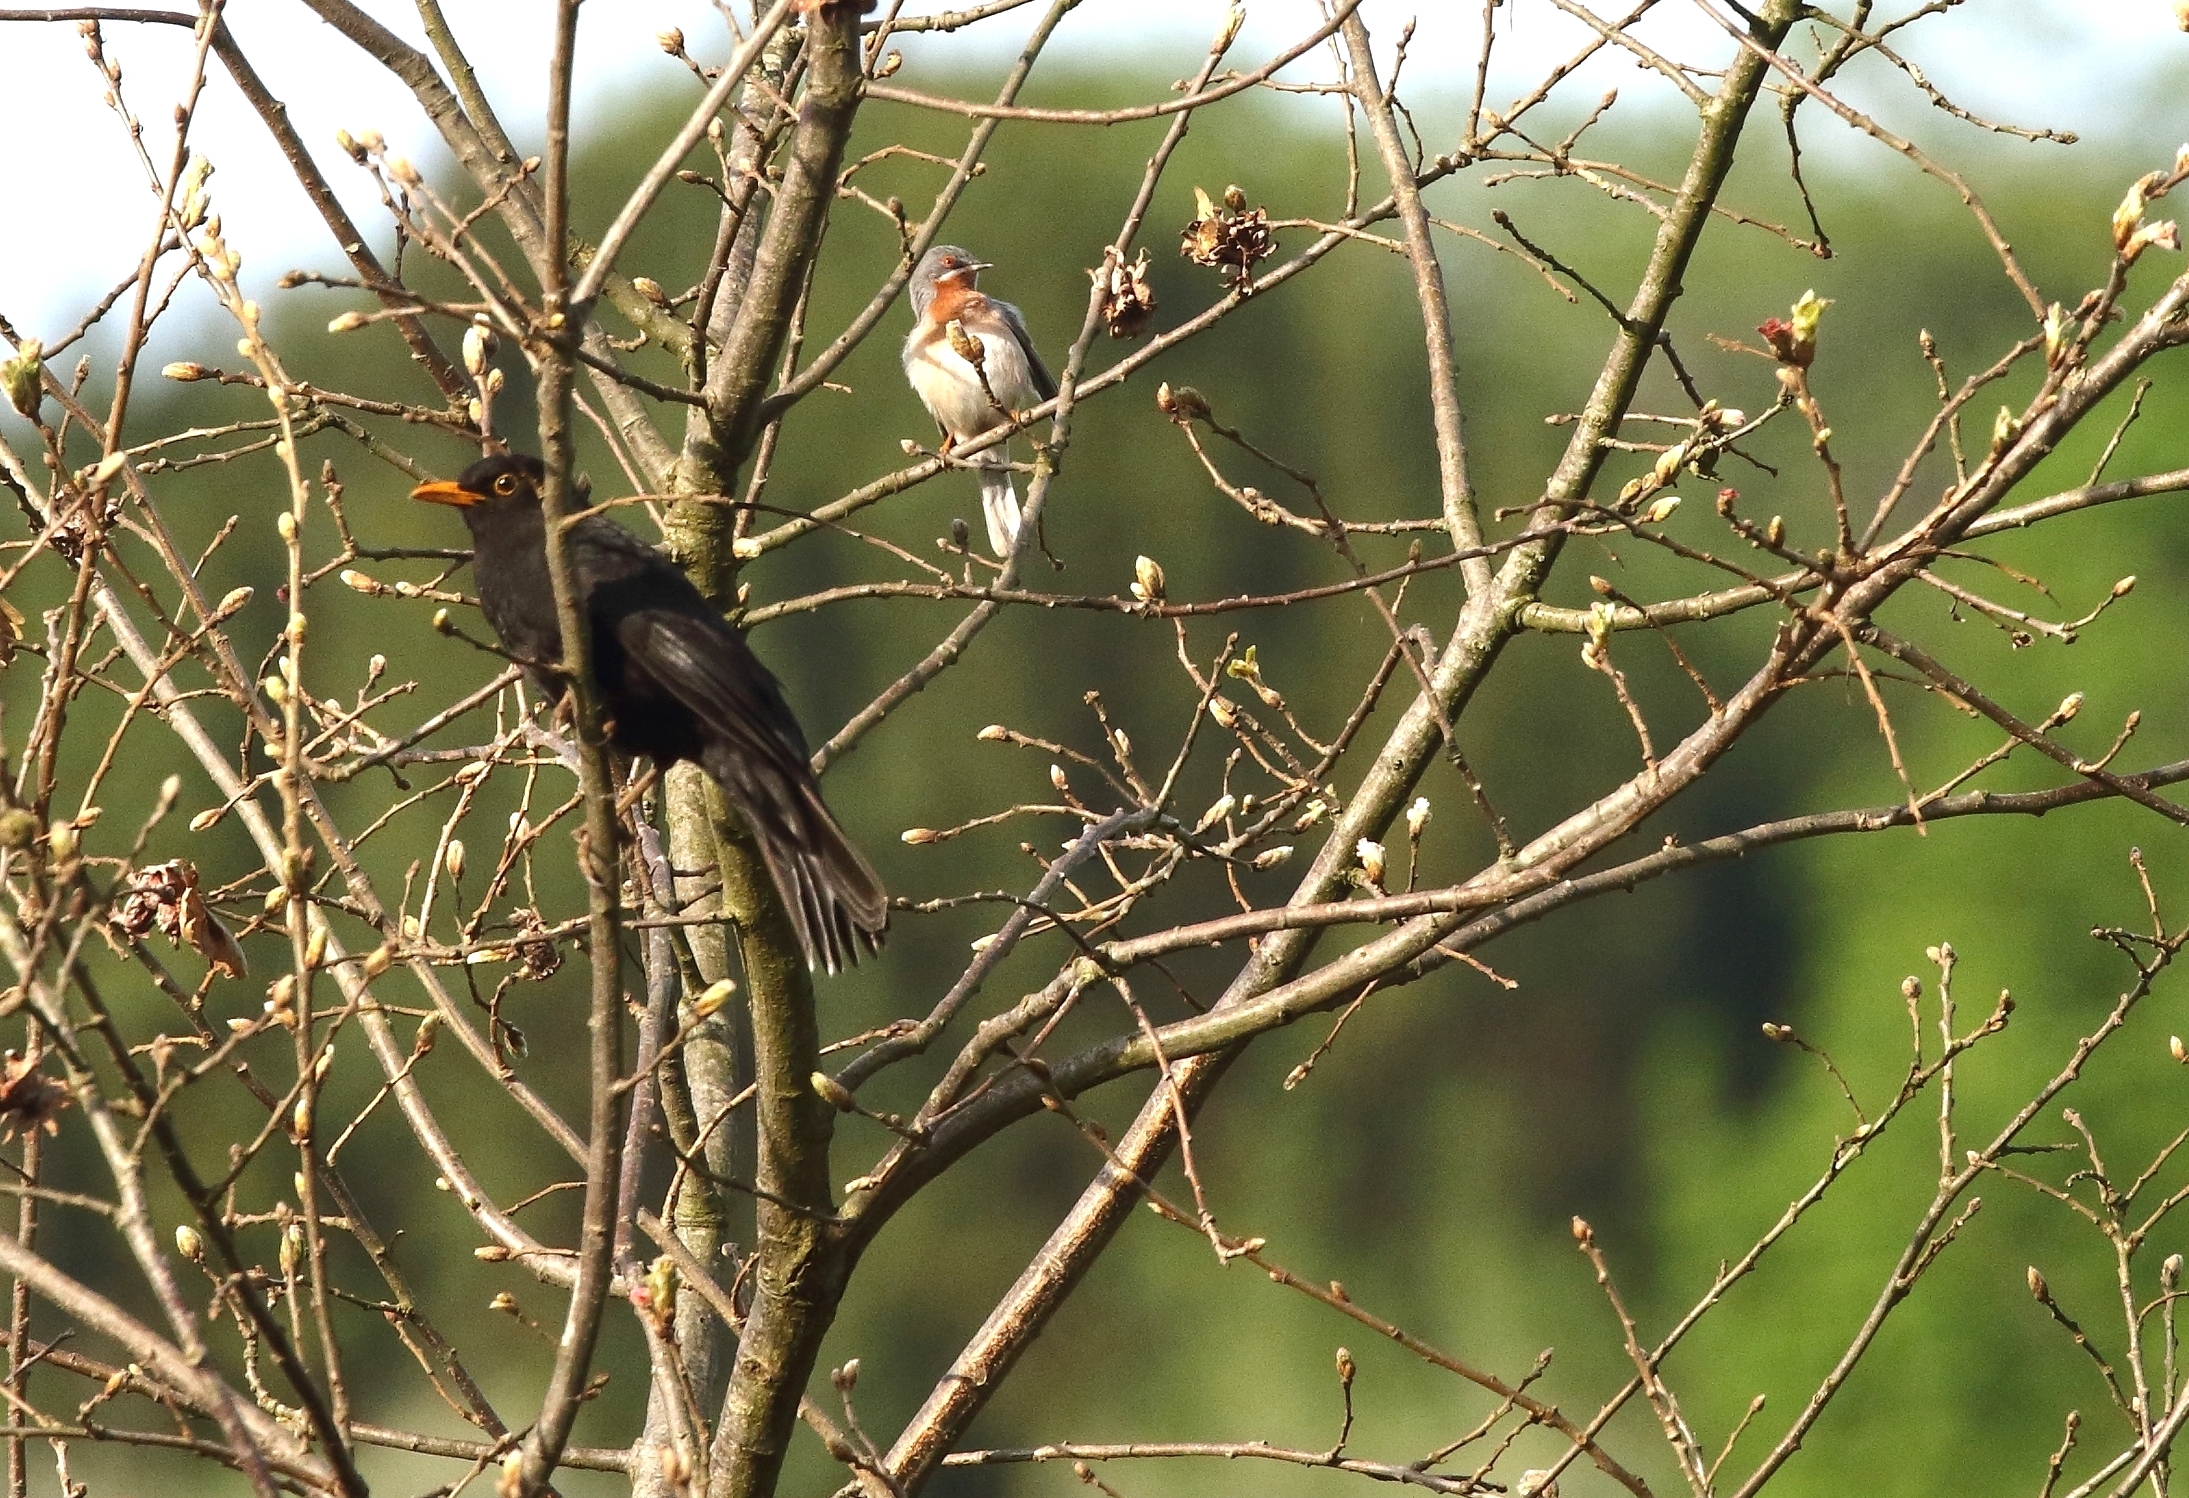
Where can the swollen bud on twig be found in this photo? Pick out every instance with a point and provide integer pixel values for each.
(832, 1092)
(2037, 1286)
(1371, 856)
(1147, 580)
(1269, 858)
(716, 995)
(965, 345)
(24, 377)
(479, 347)
(189, 1243)
(1582, 1232)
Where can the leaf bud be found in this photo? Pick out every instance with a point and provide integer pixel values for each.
(832, 1092)
(1371, 856)
(1417, 818)
(1269, 858)
(190, 1243)
(964, 344)
(717, 994)
(479, 346)
(348, 322)
(452, 858)
(184, 370)
(2037, 1286)
(23, 377)
(1147, 580)
(919, 837)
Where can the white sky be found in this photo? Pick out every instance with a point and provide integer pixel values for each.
(78, 212)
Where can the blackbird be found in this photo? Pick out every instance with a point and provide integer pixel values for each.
(676, 682)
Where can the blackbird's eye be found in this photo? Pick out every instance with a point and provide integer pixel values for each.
(505, 485)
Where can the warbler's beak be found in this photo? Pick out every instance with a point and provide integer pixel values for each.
(446, 492)
(979, 265)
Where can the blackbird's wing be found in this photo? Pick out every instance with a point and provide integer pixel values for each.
(1044, 385)
(674, 647)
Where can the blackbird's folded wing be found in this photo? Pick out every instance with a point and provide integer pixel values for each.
(751, 745)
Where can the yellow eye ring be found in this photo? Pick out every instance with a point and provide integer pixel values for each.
(506, 485)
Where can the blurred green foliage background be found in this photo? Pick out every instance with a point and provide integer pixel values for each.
(1435, 1156)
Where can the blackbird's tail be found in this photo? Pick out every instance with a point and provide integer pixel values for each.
(835, 899)
(999, 506)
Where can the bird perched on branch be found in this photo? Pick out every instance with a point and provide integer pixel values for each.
(973, 365)
(676, 682)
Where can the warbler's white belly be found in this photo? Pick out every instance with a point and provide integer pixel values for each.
(951, 390)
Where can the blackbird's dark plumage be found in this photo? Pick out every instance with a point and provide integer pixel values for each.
(676, 682)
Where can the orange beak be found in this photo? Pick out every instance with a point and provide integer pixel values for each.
(446, 492)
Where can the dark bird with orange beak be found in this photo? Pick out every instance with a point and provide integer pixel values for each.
(676, 682)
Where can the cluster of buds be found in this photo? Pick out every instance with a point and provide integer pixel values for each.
(1127, 299)
(2131, 235)
(1230, 238)
(190, 209)
(368, 145)
(1249, 670)
(1793, 342)
(95, 49)
(1697, 452)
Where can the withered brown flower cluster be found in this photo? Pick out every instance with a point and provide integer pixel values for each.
(165, 897)
(537, 955)
(1230, 237)
(29, 1099)
(1127, 299)
(71, 532)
